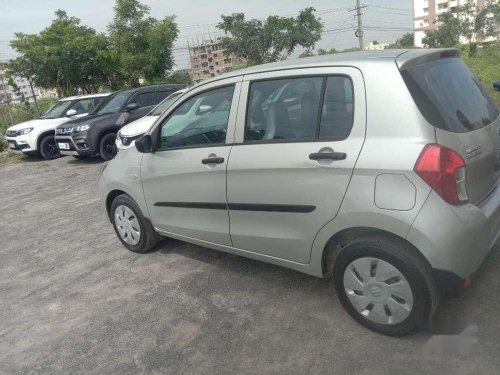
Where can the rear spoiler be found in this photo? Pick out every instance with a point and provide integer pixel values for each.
(415, 57)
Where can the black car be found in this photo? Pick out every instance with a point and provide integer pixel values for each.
(496, 85)
(96, 133)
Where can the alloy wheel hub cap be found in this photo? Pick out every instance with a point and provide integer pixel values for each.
(378, 290)
(127, 225)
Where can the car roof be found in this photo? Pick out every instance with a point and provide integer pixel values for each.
(359, 58)
(157, 87)
(86, 96)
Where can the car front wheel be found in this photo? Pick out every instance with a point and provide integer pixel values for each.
(48, 148)
(107, 146)
(134, 231)
(385, 285)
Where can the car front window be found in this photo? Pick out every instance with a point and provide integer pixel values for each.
(162, 107)
(113, 104)
(57, 110)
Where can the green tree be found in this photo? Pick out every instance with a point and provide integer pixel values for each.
(141, 45)
(270, 40)
(352, 49)
(404, 41)
(465, 25)
(322, 51)
(306, 53)
(180, 77)
(65, 55)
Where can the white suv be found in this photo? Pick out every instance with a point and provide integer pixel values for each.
(36, 137)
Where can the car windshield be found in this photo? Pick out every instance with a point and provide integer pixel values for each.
(57, 110)
(167, 102)
(113, 103)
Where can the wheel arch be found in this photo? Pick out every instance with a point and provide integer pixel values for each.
(42, 135)
(110, 197)
(342, 238)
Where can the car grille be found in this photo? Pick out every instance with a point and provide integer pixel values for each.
(11, 133)
(67, 130)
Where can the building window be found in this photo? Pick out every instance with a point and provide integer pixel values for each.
(426, 10)
(443, 6)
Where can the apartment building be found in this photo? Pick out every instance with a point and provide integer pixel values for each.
(426, 12)
(209, 59)
(7, 93)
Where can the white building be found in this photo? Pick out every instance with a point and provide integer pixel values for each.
(8, 94)
(426, 12)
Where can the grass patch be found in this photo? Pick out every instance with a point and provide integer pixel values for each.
(9, 157)
(485, 63)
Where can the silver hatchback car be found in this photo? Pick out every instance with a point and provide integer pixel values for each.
(378, 168)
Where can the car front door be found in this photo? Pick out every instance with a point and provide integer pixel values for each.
(145, 100)
(297, 139)
(184, 180)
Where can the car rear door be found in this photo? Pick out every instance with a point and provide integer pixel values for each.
(298, 137)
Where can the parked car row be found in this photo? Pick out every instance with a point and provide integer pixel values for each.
(87, 125)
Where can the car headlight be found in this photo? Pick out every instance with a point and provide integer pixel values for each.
(82, 128)
(24, 131)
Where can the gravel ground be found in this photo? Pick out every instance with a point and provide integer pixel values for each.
(74, 301)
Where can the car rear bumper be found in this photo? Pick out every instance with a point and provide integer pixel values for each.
(456, 239)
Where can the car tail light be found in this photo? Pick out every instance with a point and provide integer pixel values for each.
(444, 170)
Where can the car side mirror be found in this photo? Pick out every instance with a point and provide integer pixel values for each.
(131, 107)
(204, 109)
(71, 112)
(144, 144)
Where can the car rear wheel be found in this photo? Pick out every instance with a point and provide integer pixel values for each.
(107, 147)
(48, 148)
(134, 231)
(385, 285)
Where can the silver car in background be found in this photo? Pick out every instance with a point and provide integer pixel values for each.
(379, 168)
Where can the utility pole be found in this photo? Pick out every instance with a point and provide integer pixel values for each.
(359, 31)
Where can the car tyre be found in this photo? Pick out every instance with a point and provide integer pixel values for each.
(135, 232)
(391, 278)
(107, 146)
(48, 148)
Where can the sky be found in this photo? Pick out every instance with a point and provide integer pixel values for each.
(385, 20)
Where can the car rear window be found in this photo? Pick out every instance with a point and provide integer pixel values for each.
(449, 96)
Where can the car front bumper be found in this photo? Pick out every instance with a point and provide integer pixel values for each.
(456, 239)
(21, 143)
(69, 146)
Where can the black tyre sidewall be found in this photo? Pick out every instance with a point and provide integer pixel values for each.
(102, 144)
(422, 302)
(125, 200)
(44, 143)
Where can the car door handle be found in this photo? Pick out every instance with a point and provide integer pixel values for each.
(215, 160)
(328, 155)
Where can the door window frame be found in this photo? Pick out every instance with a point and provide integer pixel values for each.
(316, 137)
(355, 76)
(231, 123)
(132, 99)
